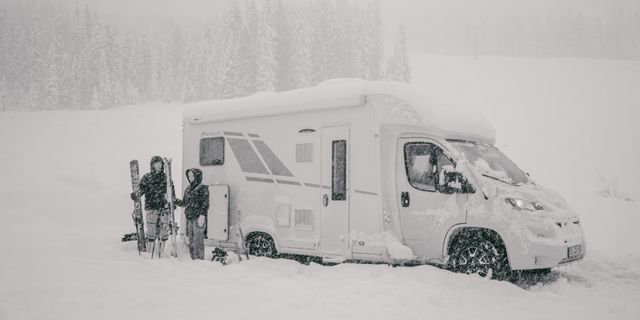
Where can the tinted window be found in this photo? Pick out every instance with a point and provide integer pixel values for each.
(339, 170)
(212, 151)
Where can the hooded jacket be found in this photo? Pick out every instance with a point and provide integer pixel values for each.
(196, 196)
(153, 186)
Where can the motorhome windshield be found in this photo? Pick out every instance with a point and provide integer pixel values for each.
(491, 162)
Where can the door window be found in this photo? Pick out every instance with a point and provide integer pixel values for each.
(420, 165)
(425, 164)
(339, 170)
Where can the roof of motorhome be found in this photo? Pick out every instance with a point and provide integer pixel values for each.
(455, 120)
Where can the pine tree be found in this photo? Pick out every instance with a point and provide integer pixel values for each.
(88, 24)
(144, 78)
(368, 48)
(248, 50)
(398, 67)
(230, 73)
(105, 85)
(341, 40)
(89, 57)
(189, 91)
(283, 47)
(194, 77)
(51, 88)
(320, 39)
(375, 23)
(302, 64)
(211, 62)
(95, 100)
(363, 47)
(74, 84)
(266, 69)
(31, 100)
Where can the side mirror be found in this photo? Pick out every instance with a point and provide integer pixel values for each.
(454, 182)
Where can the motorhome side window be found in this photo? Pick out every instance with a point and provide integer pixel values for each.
(212, 151)
(421, 165)
(339, 170)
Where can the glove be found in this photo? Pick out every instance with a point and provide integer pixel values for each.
(134, 196)
(200, 221)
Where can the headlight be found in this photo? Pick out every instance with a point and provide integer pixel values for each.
(522, 204)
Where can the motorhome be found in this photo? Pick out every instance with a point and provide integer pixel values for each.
(354, 170)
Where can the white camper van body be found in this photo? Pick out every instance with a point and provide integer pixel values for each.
(323, 172)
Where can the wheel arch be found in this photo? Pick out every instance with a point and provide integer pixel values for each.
(256, 223)
(248, 233)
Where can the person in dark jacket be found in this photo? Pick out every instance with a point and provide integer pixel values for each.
(196, 204)
(153, 186)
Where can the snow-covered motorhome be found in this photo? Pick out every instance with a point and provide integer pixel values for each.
(354, 170)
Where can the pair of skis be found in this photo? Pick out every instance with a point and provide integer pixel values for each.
(137, 212)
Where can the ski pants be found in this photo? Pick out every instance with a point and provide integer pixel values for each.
(152, 224)
(195, 234)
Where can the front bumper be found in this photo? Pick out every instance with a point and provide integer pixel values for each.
(558, 243)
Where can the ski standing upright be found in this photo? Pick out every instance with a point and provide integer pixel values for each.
(170, 196)
(137, 207)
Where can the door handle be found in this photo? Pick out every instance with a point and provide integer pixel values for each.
(405, 200)
(325, 200)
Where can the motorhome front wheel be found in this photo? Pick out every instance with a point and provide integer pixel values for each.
(476, 253)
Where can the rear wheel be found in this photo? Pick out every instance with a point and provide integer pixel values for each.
(262, 245)
(481, 253)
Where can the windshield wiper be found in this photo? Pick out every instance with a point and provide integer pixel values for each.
(494, 178)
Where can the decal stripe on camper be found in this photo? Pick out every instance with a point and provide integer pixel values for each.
(246, 156)
(273, 162)
(255, 179)
(288, 182)
(366, 192)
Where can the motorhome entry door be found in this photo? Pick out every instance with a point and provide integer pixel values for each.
(334, 212)
(218, 220)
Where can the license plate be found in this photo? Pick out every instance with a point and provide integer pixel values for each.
(575, 251)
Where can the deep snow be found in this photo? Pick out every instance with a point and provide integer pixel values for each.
(64, 194)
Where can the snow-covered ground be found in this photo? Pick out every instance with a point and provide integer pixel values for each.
(64, 188)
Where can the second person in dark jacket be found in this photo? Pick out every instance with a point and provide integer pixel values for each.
(196, 204)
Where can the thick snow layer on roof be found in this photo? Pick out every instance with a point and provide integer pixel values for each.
(442, 113)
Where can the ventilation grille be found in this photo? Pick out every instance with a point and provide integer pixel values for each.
(304, 152)
(304, 218)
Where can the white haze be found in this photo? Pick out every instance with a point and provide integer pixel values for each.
(145, 14)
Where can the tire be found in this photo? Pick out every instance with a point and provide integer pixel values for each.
(261, 245)
(479, 252)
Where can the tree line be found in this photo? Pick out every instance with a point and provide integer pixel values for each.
(56, 57)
